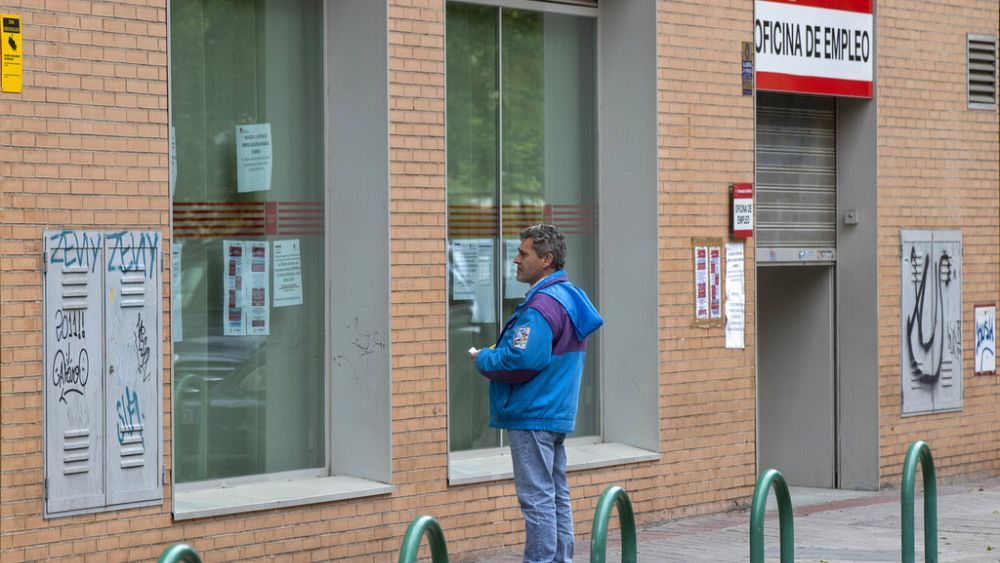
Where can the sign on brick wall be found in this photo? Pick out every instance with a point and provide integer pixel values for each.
(814, 46)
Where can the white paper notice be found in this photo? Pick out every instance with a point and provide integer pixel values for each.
(464, 261)
(173, 160)
(513, 289)
(176, 309)
(287, 273)
(735, 296)
(259, 318)
(253, 157)
(233, 318)
(484, 309)
(245, 288)
(986, 339)
(472, 277)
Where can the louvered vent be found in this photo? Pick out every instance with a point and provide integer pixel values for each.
(982, 72)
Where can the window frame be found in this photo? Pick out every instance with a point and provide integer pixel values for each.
(349, 470)
(623, 83)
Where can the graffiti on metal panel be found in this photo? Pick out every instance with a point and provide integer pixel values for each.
(142, 348)
(930, 331)
(129, 416)
(75, 248)
(70, 324)
(133, 251)
(70, 373)
(362, 344)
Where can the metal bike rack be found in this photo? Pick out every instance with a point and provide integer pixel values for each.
(785, 527)
(414, 533)
(179, 553)
(611, 497)
(919, 450)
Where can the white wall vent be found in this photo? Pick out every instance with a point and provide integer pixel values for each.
(982, 72)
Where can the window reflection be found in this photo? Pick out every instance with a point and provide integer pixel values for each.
(521, 151)
(248, 398)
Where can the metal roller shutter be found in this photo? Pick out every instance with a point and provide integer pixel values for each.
(796, 178)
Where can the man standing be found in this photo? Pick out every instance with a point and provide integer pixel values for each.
(534, 370)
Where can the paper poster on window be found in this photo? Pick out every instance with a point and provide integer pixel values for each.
(233, 321)
(176, 308)
(253, 157)
(464, 260)
(245, 289)
(513, 289)
(472, 277)
(986, 339)
(259, 317)
(735, 297)
(287, 273)
(173, 160)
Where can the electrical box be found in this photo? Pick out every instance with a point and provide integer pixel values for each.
(931, 277)
(103, 370)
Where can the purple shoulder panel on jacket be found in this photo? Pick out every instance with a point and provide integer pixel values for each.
(563, 336)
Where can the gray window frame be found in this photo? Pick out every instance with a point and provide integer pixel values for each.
(628, 273)
(357, 464)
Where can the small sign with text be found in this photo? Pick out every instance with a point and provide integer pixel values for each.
(742, 195)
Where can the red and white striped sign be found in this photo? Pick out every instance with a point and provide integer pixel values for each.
(814, 46)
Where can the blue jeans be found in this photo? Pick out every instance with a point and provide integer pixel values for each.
(540, 479)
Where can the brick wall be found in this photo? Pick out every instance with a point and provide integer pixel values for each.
(706, 142)
(938, 169)
(85, 146)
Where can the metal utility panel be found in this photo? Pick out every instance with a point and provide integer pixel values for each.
(796, 178)
(132, 313)
(74, 391)
(931, 323)
(103, 370)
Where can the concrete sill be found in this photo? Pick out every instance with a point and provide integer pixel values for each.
(251, 497)
(494, 464)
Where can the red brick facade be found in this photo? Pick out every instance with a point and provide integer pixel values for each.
(86, 146)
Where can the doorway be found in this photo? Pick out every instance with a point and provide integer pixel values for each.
(796, 374)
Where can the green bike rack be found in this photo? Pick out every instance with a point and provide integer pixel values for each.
(179, 553)
(611, 497)
(785, 527)
(435, 537)
(919, 450)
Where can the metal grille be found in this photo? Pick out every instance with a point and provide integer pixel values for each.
(796, 178)
(982, 72)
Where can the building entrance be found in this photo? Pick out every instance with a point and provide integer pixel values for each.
(796, 292)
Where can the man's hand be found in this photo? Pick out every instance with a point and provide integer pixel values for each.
(473, 352)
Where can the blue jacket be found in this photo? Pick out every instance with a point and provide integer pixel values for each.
(537, 363)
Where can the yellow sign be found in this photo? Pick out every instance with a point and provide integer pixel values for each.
(10, 50)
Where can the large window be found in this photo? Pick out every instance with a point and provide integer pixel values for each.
(248, 227)
(521, 151)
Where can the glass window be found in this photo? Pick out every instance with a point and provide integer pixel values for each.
(248, 211)
(521, 151)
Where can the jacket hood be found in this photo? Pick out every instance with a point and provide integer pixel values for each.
(579, 308)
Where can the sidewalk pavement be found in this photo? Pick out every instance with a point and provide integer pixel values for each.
(830, 526)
